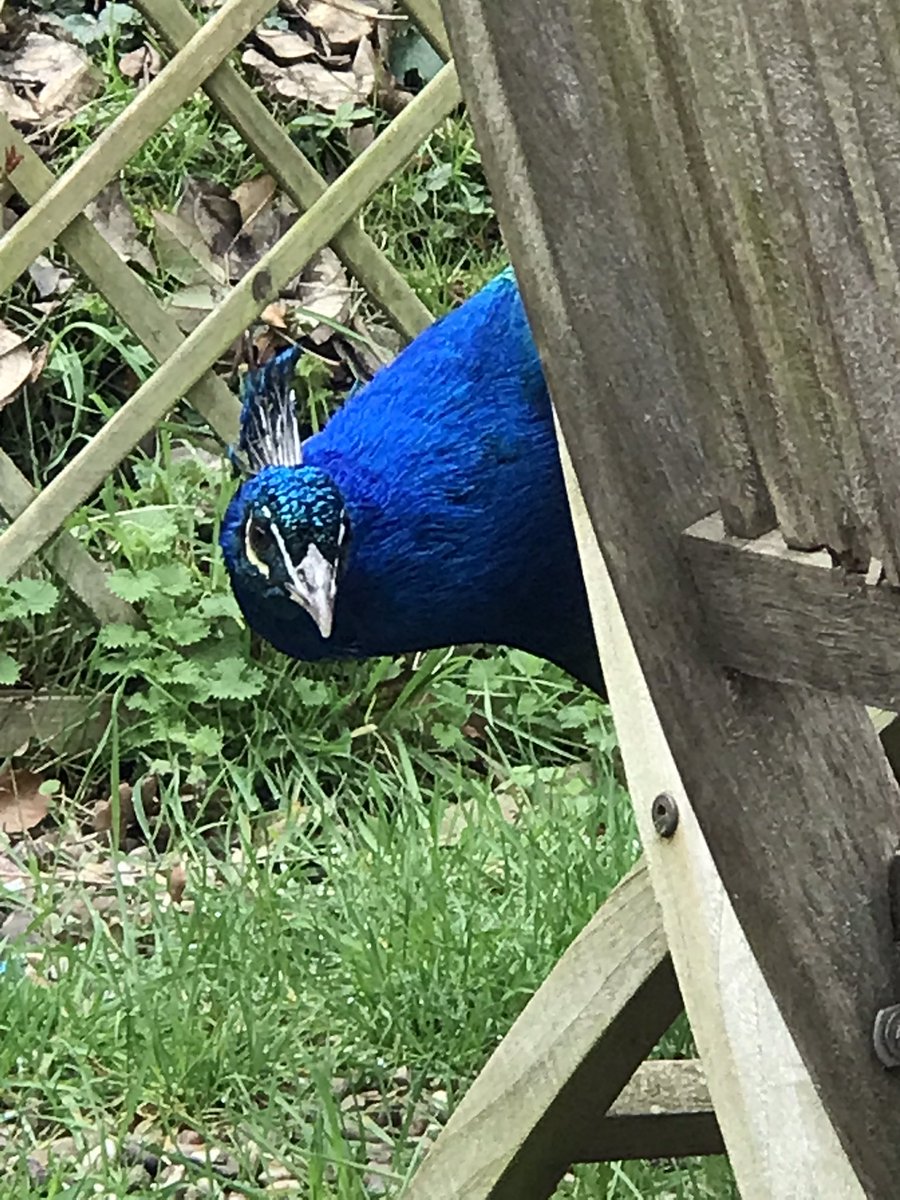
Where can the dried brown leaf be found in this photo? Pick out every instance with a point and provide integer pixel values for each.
(252, 196)
(19, 109)
(323, 289)
(364, 68)
(38, 362)
(111, 215)
(176, 883)
(183, 251)
(310, 82)
(22, 806)
(209, 207)
(15, 364)
(55, 76)
(143, 63)
(48, 278)
(284, 45)
(275, 315)
(105, 811)
(344, 24)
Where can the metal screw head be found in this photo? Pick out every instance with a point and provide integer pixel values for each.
(664, 811)
(886, 1035)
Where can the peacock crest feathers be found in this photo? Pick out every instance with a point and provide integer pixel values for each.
(269, 431)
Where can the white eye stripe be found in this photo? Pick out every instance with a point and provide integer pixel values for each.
(282, 548)
(252, 557)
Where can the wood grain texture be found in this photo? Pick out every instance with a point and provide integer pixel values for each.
(796, 801)
(196, 354)
(780, 1141)
(536, 1105)
(237, 101)
(791, 616)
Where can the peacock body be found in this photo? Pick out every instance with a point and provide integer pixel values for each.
(430, 511)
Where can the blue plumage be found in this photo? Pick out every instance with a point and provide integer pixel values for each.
(430, 511)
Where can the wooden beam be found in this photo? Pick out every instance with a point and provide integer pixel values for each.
(791, 616)
(779, 1139)
(61, 724)
(536, 1105)
(664, 1112)
(778, 776)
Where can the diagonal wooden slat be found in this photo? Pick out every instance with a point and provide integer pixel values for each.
(67, 557)
(204, 345)
(177, 81)
(133, 302)
(427, 15)
(295, 173)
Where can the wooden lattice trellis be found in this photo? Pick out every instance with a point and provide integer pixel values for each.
(55, 212)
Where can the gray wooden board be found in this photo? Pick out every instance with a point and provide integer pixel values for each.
(63, 724)
(790, 616)
(798, 805)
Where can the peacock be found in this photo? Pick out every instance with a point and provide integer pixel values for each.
(430, 511)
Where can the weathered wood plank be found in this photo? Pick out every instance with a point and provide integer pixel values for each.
(62, 724)
(778, 776)
(67, 557)
(537, 1103)
(788, 615)
(296, 174)
(664, 1111)
(196, 354)
(150, 109)
(780, 1142)
(132, 301)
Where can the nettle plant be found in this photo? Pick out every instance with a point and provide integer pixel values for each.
(187, 661)
(21, 601)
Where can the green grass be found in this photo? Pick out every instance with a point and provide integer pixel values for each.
(331, 933)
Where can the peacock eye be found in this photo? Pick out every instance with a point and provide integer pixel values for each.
(259, 537)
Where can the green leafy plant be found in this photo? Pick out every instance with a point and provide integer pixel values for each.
(20, 601)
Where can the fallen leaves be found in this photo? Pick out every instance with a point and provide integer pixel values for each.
(330, 65)
(309, 82)
(215, 236)
(44, 79)
(15, 364)
(142, 64)
(112, 218)
(345, 24)
(22, 804)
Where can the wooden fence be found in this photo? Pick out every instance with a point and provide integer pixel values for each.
(199, 58)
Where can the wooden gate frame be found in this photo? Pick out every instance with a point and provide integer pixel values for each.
(689, 221)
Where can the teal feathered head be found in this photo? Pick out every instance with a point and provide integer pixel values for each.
(288, 523)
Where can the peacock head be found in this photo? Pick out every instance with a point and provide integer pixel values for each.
(289, 525)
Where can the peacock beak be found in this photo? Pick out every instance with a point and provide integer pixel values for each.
(313, 585)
